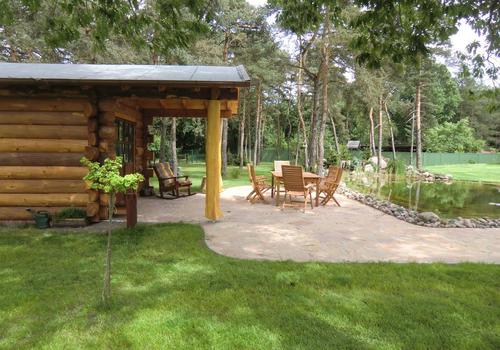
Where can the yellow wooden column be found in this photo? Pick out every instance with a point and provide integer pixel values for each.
(213, 161)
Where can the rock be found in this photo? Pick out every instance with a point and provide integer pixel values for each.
(383, 163)
(369, 168)
(467, 223)
(428, 217)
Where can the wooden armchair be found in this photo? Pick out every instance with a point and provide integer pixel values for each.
(293, 180)
(259, 185)
(169, 182)
(330, 184)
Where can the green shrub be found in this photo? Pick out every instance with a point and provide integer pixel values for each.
(334, 158)
(234, 173)
(452, 137)
(395, 166)
(70, 213)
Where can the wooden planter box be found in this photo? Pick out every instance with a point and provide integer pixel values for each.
(81, 222)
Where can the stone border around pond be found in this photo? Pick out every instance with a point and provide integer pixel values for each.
(428, 219)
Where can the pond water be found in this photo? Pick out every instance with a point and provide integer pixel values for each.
(460, 198)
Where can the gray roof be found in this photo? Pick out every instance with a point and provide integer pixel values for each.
(124, 73)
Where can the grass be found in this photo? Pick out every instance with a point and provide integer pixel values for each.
(196, 171)
(170, 292)
(469, 172)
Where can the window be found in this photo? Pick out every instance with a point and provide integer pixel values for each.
(125, 140)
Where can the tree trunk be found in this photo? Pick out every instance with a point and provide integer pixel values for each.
(163, 140)
(334, 129)
(418, 124)
(372, 133)
(242, 132)
(261, 135)
(224, 146)
(106, 289)
(323, 77)
(173, 145)
(257, 123)
(391, 130)
(313, 137)
(225, 51)
(300, 112)
(380, 134)
(278, 136)
(412, 138)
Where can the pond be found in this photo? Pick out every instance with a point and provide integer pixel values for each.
(448, 200)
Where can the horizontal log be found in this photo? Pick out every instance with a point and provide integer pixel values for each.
(43, 186)
(43, 118)
(121, 110)
(103, 199)
(92, 139)
(92, 124)
(44, 131)
(95, 218)
(42, 200)
(107, 118)
(103, 213)
(47, 104)
(92, 209)
(42, 172)
(20, 213)
(93, 195)
(107, 132)
(42, 145)
(40, 159)
(91, 153)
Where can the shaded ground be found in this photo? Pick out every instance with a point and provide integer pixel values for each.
(353, 232)
(170, 292)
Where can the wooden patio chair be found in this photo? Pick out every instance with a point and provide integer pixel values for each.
(279, 163)
(168, 182)
(180, 181)
(293, 180)
(277, 167)
(259, 185)
(329, 186)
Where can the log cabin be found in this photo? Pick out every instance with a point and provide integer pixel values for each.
(51, 115)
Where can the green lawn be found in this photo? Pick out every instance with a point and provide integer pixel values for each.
(171, 292)
(233, 177)
(470, 172)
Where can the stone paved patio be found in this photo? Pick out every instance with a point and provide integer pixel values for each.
(353, 232)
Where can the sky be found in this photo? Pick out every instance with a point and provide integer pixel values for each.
(459, 41)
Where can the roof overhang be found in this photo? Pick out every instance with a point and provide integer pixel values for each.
(132, 75)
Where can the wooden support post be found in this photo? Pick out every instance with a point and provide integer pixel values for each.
(213, 161)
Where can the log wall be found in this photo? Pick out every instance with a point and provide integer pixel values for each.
(41, 143)
(108, 111)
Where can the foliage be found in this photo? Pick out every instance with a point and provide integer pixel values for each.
(70, 213)
(175, 285)
(452, 137)
(235, 173)
(159, 25)
(106, 176)
(334, 158)
(396, 166)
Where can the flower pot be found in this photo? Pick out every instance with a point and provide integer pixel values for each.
(131, 204)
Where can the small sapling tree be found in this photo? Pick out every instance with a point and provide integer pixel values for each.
(106, 177)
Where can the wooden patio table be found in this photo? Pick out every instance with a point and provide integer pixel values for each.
(308, 178)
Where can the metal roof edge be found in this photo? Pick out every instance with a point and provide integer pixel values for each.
(242, 73)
